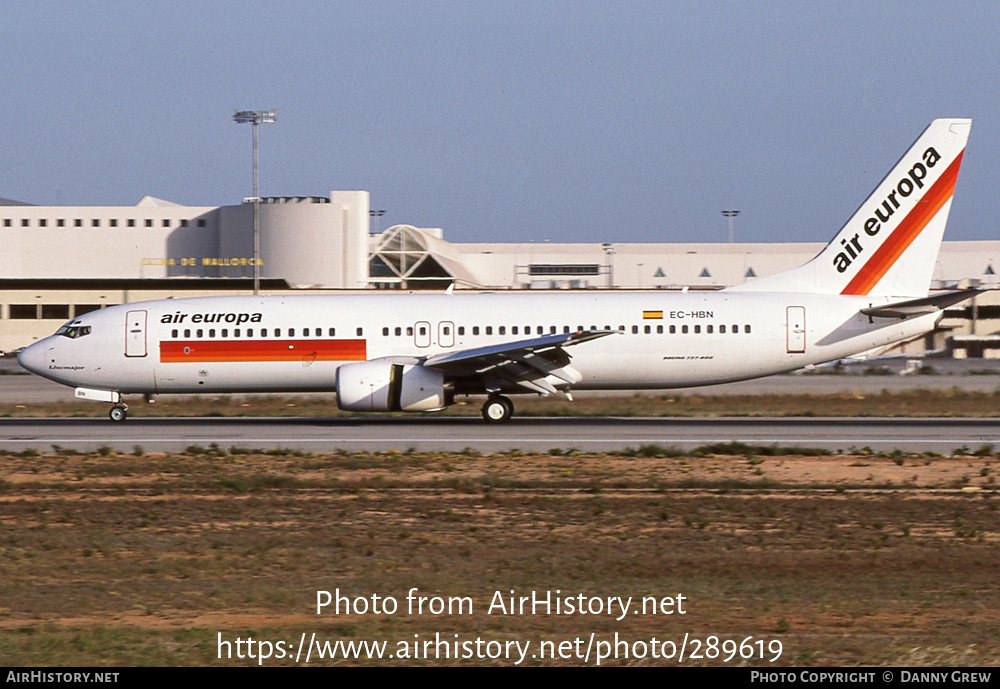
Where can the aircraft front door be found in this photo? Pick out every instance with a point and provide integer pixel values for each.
(135, 333)
(796, 325)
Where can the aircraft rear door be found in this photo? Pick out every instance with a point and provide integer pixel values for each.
(796, 325)
(135, 333)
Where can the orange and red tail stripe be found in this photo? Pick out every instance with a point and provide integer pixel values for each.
(907, 230)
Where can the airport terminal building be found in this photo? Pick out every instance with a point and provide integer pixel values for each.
(62, 261)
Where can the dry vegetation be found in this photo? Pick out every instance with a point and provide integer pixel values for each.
(122, 560)
(930, 403)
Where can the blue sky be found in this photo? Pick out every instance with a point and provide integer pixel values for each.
(560, 121)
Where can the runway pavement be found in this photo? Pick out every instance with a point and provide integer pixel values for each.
(528, 434)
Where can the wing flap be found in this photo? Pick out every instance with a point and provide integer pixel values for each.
(539, 364)
(510, 351)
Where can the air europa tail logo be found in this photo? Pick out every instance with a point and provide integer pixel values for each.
(911, 182)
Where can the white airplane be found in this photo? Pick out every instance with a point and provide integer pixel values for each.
(868, 288)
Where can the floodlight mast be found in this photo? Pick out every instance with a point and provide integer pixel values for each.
(730, 215)
(255, 117)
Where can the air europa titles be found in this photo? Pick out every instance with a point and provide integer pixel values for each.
(235, 318)
(913, 180)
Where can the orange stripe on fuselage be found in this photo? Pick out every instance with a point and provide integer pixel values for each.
(907, 230)
(208, 351)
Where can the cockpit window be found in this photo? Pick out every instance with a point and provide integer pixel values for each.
(73, 330)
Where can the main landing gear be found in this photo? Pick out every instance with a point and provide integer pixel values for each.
(119, 412)
(498, 409)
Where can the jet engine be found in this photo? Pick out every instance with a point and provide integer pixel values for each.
(385, 385)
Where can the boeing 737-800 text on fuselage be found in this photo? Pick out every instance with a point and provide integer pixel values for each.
(416, 352)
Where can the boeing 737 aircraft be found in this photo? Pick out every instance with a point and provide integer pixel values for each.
(416, 352)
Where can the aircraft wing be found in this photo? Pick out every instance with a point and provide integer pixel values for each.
(531, 364)
(920, 307)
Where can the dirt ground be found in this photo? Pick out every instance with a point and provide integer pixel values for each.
(825, 560)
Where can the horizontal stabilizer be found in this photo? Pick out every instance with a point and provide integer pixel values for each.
(911, 308)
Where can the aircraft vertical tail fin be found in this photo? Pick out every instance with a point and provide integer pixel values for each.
(890, 244)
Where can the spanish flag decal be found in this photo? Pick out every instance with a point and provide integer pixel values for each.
(652, 315)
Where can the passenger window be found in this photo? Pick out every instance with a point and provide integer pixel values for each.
(263, 332)
(447, 330)
(305, 332)
(398, 331)
(708, 329)
(489, 329)
(249, 332)
(746, 328)
(291, 332)
(360, 331)
(201, 333)
(736, 329)
(277, 332)
(502, 330)
(211, 332)
(673, 330)
(684, 330)
(722, 329)
(461, 330)
(475, 330)
(409, 331)
(173, 334)
(236, 332)
(385, 332)
(225, 332)
(565, 329)
(659, 330)
(513, 330)
(648, 329)
(697, 329)
(333, 332)
(635, 329)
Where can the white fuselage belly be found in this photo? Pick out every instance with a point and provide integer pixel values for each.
(692, 339)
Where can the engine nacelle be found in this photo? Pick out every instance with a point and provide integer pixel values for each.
(383, 385)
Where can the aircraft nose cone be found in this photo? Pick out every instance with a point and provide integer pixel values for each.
(33, 358)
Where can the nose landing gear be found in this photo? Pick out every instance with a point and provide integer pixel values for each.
(118, 413)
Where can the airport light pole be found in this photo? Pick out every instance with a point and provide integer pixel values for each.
(255, 117)
(376, 214)
(730, 215)
(609, 252)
